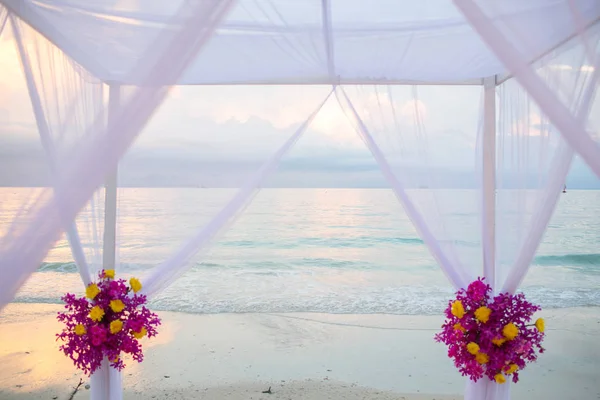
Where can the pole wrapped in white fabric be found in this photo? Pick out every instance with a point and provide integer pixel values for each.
(99, 382)
(488, 176)
(571, 127)
(178, 263)
(107, 381)
(485, 389)
(109, 247)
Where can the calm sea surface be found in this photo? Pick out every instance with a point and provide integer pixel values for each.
(310, 250)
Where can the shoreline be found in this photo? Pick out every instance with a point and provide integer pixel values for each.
(313, 355)
(58, 303)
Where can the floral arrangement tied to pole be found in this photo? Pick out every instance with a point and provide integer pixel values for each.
(109, 321)
(491, 337)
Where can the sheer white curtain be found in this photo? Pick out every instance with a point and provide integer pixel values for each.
(96, 153)
(468, 234)
(65, 99)
(446, 208)
(181, 260)
(3, 18)
(556, 94)
(509, 41)
(534, 159)
(392, 122)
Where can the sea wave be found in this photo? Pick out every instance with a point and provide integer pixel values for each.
(568, 260)
(577, 261)
(350, 242)
(413, 300)
(399, 300)
(71, 267)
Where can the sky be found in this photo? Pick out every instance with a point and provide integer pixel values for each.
(219, 135)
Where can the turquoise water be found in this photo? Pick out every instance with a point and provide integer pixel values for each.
(315, 250)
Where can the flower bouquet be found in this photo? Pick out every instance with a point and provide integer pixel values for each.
(491, 337)
(108, 321)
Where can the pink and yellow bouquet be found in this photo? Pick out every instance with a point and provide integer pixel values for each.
(109, 321)
(491, 337)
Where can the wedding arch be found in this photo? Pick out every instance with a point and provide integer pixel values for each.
(538, 57)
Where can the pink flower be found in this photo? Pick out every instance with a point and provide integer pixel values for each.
(117, 288)
(524, 347)
(477, 290)
(135, 325)
(498, 351)
(98, 335)
(88, 350)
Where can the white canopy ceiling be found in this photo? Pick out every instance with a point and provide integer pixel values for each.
(306, 41)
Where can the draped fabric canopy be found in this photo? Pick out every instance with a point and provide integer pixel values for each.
(307, 41)
(537, 62)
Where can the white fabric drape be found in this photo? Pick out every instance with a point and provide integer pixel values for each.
(72, 109)
(523, 243)
(389, 141)
(178, 263)
(99, 153)
(533, 161)
(281, 42)
(3, 18)
(570, 126)
(106, 382)
(162, 49)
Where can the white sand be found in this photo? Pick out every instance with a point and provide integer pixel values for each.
(301, 356)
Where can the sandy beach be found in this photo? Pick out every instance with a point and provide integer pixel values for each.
(300, 356)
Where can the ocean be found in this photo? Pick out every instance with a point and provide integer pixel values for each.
(312, 250)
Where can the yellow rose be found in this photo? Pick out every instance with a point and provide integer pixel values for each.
(80, 330)
(510, 331)
(140, 334)
(482, 358)
(91, 291)
(499, 378)
(483, 314)
(135, 284)
(116, 326)
(473, 348)
(109, 273)
(96, 313)
(117, 305)
(540, 324)
(499, 341)
(459, 327)
(458, 310)
(512, 369)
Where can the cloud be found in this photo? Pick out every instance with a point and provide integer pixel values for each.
(530, 125)
(566, 67)
(414, 110)
(560, 67)
(587, 68)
